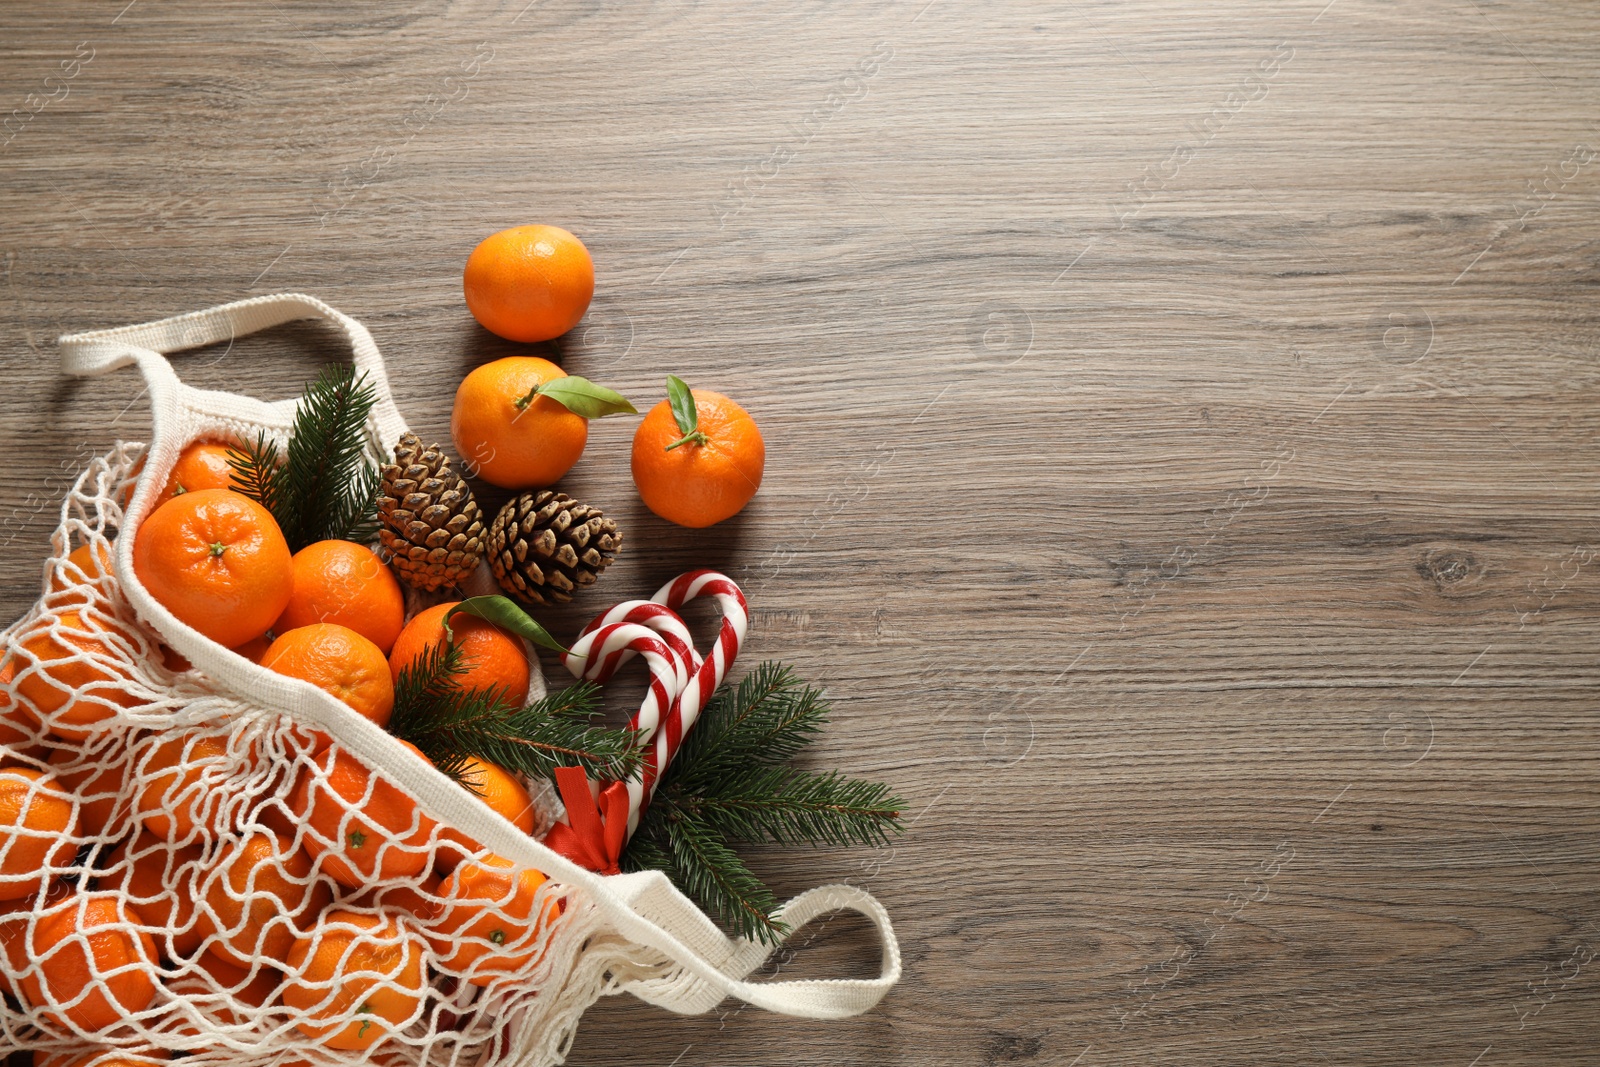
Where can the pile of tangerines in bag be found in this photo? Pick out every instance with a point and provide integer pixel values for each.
(269, 907)
(248, 904)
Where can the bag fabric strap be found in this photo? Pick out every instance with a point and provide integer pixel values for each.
(690, 993)
(98, 351)
(645, 908)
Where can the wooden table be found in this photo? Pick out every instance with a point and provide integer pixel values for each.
(1182, 448)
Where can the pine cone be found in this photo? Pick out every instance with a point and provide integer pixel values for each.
(432, 527)
(544, 545)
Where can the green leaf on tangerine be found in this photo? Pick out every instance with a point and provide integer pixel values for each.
(683, 408)
(582, 397)
(504, 612)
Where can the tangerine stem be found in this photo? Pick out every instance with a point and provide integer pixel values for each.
(525, 401)
(218, 548)
(697, 437)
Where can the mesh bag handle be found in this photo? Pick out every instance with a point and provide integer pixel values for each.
(705, 966)
(98, 351)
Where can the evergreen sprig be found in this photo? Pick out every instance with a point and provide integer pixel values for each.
(453, 724)
(731, 783)
(322, 486)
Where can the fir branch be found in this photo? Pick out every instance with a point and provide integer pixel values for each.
(768, 719)
(645, 852)
(451, 724)
(551, 734)
(257, 470)
(358, 514)
(325, 487)
(791, 808)
(704, 867)
(728, 783)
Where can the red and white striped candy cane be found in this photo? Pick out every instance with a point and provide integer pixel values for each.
(735, 623)
(620, 642)
(654, 629)
(658, 617)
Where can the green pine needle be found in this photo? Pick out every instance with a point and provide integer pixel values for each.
(729, 783)
(324, 487)
(452, 724)
(255, 466)
(792, 808)
(704, 867)
(769, 719)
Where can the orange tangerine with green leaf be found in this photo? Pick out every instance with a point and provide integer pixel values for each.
(697, 457)
(493, 658)
(521, 422)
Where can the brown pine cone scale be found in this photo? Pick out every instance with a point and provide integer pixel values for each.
(544, 546)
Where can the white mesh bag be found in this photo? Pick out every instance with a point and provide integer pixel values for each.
(210, 857)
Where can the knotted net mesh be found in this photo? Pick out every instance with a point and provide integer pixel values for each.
(181, 871)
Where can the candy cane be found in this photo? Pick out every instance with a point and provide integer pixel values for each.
(679, 691)
(618, 643)
(735, 623)
(658, 617)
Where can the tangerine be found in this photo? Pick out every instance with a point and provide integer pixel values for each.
(698, 477)
(92, 962)
(507, 435)
(529, 283)
(218, 987)
(356, 979)
(505, 795)
(415, 899)
(360, 828)
(69, 691)
(254, 648)
(19, 730)
(216, 560)
(178, 779)
(96, 783)
(158, 879)
(261, 892)
(38, 831)
(14, 916)
(494, 658)
(201, 465)
(483, 926)
(345, 583)
(338, 661)
(79, 575)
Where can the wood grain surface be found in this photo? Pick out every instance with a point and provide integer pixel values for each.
(1182, 448)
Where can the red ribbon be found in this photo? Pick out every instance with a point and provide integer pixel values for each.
(593, 834)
